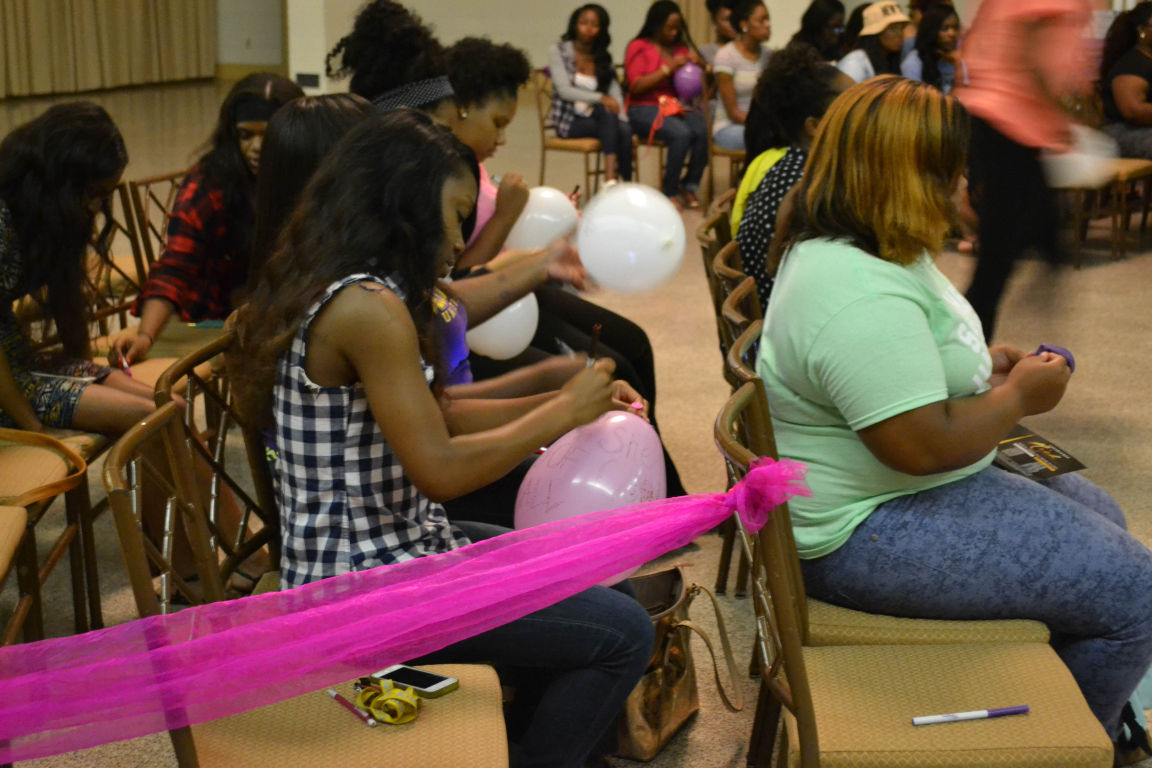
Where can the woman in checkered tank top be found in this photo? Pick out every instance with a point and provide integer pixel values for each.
(334, 354)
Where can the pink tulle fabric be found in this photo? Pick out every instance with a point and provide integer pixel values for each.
(217, 660)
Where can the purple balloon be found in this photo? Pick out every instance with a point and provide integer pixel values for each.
(688, 81)
(615, 461)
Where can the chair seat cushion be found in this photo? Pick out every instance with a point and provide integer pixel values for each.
(572, 145)
(832, 625)
(13, 520)
(464, 727)
(1129, 168)
(26, 467)
(866, 696)
(88, 444)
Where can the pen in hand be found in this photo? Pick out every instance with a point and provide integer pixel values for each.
(592, 347)
(124, 364)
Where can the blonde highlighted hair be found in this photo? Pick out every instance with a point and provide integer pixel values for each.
(883, 165)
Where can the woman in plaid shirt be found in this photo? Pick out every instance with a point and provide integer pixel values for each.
(205, 260)
(333, 350)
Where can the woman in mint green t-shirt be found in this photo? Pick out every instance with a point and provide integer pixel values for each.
(879, 379)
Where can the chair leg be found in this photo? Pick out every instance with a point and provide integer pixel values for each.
(29, 610)
(742, 575)
(1125, 220)
(76, 566)
(80, 499)
(728, 531)
(764, 728)
(543, 159)
(1147, 198)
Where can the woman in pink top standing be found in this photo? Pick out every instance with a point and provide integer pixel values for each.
(650, 62)
(1022, 56)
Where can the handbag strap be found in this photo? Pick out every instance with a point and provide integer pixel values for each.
(56, 487)
(735, 702)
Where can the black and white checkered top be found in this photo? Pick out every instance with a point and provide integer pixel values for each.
(345, 502)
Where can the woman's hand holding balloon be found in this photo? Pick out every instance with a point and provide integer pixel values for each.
(625, 398)
(564, 264)
(678, 61)
(1039, 381)
(590, 392)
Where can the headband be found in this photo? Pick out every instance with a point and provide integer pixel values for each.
(415, 94)
(254, 110)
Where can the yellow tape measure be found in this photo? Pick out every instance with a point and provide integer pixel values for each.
(387, 702)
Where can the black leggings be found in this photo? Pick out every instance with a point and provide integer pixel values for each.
(1017, 211)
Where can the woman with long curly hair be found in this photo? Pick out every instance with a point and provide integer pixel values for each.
(57, 174)
(586, 96)
(204, 268)
(335, 350)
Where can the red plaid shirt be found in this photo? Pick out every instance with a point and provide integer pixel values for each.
(200, 267)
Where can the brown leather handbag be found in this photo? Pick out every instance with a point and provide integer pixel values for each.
(666, 697)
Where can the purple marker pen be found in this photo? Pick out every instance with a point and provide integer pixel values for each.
(978, 714)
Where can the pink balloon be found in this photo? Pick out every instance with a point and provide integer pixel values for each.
(615, 461)
(688, 81)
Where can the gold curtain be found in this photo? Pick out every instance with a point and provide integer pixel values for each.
(64, 46)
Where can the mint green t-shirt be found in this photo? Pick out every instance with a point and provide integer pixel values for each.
(849, 341)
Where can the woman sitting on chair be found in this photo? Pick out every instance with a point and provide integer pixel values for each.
(878, 377)
(340, 320)
(737, 67)
(586, 97)
(653, 57)
(204, 268)
(57, 174)
(877, 49)
(1125, 80)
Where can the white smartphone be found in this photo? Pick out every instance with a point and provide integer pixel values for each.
(427, 684)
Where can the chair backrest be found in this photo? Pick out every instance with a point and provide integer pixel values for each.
(152, 200)
(723, 204)
(112, 280)
(207, 423)
(778, 603)
(740, 308)
(542, 89)
(741, 359)
(707, 235)
(728, 268)
(152, 458)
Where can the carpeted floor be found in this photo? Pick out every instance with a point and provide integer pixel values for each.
(1100, 312)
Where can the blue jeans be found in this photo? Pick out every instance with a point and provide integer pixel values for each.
(685, 135)
(1000, 546)
(730, 137)
(573, 665)
(615, 137)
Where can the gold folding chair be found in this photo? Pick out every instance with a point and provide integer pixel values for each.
(550, 142)
(34, 470)
(306, 730)
(735, 157)
(852, 705)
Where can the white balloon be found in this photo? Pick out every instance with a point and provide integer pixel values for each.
(631, 238)
(508, 332)
(1088, 164)
(548, 215)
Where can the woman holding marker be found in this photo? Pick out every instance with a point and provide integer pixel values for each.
(879, 379)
